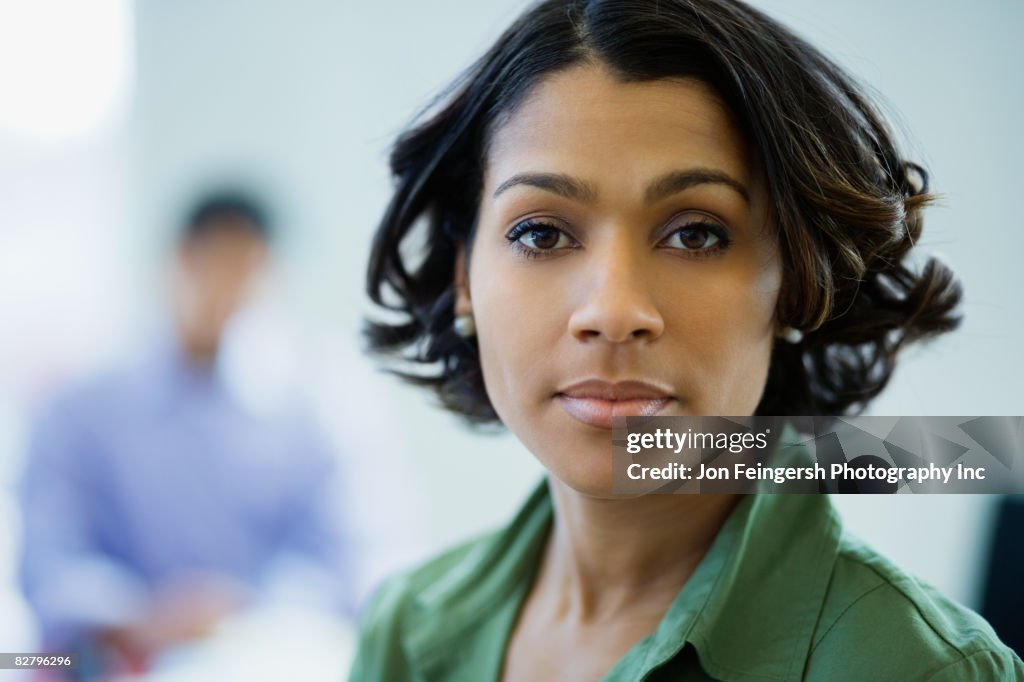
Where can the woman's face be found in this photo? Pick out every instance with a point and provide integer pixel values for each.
(623, 264)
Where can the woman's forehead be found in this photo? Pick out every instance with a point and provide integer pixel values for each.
(586, 121)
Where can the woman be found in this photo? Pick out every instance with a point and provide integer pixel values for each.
(657, 207)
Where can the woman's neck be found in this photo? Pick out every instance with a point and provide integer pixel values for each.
(606, 557)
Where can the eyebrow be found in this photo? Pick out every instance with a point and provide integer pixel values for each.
(677, 181)
(664, 186)
(562, 185)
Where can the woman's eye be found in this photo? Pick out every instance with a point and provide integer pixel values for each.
(694, 238)
(698, 238)
(533, 237)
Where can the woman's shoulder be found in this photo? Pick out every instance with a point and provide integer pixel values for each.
(875, 614)
(445, 600)
(395, 609)
(422, 583)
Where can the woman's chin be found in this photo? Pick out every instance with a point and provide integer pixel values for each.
(586, 471)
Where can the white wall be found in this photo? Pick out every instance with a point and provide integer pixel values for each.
(64, 76)
(308, 94)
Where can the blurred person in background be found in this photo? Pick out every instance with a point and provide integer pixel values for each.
(155, 506)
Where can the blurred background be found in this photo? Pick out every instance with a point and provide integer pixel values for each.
(115, 115)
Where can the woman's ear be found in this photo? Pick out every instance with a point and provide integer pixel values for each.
(463, 306)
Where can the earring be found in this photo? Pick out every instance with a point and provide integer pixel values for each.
(465, 326)
(791, 335)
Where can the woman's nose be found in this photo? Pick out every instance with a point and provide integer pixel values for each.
(618, 303)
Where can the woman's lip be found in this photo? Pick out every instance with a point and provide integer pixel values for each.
(615, 391)
(598, 412)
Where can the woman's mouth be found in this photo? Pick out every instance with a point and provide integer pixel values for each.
(595, 402)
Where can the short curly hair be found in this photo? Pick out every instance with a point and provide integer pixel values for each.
(846, 204)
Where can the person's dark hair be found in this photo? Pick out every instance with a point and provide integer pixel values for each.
(226, 207)
(846, 204)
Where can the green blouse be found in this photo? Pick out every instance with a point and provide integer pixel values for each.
(783, 594)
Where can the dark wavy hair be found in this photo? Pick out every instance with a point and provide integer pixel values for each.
(846, 204)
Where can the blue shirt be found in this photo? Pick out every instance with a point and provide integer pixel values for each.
(152, 471)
